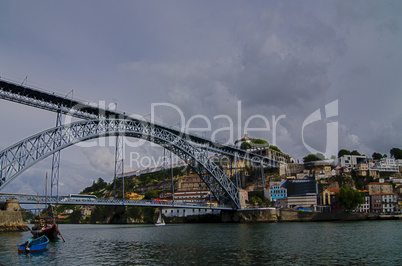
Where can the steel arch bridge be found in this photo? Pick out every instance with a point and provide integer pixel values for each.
(24, 154)
(97, 123)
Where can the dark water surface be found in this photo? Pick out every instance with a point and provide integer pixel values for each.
(376, 242)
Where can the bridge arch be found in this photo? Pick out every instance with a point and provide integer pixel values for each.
(26, 153)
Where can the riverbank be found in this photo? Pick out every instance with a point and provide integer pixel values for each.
(288, 215)
(11, 218)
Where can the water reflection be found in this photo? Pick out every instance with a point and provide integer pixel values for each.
(243, 244)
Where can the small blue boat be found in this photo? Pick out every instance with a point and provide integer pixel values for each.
(34, 245)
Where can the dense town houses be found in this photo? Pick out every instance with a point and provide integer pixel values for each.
(313, 185)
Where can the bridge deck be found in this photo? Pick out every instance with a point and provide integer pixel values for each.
(14, 92)
(65, 200)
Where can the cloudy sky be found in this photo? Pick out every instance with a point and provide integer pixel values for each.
(224, 64)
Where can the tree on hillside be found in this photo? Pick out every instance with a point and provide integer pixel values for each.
(355, 152)
(312, 158)
(254, 143)
(396, 153)
(343, 152)
(96, 186)
(275, 148)
(259, 143)
(377, 156)
(245, 145)
(350, 198)
(75, 216)
(151, 194)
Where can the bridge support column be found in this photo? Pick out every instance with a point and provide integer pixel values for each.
(54, 179)
(237, 174)
(119, 161)
(259, 177)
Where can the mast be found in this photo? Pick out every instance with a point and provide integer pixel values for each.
(46, 191)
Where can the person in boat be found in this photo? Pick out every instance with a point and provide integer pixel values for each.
(27, 244)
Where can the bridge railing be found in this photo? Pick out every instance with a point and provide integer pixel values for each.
(65, 200)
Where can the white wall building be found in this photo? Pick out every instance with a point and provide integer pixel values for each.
(365, 207)
(386, 165)
(350, 161)
(389, 202)
(173, 212)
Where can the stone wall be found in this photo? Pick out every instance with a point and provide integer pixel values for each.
(250, 216)
(11, 218)
(286, 215)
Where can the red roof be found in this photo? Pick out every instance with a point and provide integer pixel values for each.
(246, 137)
(334, 190)
(378, 183)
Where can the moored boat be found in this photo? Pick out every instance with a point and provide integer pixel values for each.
(45, 226)
(34, 245)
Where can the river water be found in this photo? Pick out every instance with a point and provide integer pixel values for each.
(375, 242)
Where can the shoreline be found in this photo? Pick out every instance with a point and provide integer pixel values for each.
(288, 215)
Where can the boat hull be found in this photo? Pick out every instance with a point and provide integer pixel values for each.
(161, 224)
(50, 231)
(36, 245)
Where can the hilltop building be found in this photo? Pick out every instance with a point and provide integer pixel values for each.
(351, 161)
(246, 138)
(386, 165)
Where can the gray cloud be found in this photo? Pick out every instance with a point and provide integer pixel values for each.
(276, 58)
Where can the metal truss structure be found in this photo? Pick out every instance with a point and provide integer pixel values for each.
(54, 181)
(22, 155)
(11, 91)
(100, 122)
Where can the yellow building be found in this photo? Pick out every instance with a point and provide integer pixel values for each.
(328, 171)
(399, 206)
(133, 196)
(328, 194)
(362, 169)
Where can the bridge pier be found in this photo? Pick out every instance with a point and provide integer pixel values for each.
(11, 218)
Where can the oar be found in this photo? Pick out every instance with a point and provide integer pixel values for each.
(57, 227)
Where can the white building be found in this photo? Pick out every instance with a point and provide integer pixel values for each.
(173, 212)
(386, 165)
(351, 161)
(389, 202)
(365, 207)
